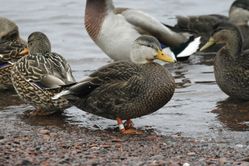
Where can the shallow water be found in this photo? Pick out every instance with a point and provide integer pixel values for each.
(198, 108)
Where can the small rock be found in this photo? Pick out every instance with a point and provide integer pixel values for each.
(191, 154)
(222, 161)
(44, 131)
(239, 146)
(186, 164)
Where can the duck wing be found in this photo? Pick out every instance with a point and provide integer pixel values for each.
(61, 68)
(114, 82)
(146, 24)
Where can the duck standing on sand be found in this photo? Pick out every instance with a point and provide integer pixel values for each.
(124, 90)
(39, 75)
(12, 48)
(231, 64)
(115, 29)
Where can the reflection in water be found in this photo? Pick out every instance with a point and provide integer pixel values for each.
(233, 114)
(179, 72)
(58, 120)
(9, 98)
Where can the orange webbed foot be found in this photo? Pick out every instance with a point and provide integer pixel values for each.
(128, 129)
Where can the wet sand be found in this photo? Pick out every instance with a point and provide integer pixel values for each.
(53, 141)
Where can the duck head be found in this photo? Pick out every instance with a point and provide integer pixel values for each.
(8, 29)
(146, 49)
(239, 12)
(38, 42)
(226, 34)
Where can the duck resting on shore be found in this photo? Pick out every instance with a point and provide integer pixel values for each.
(124, 90)
(39, 75)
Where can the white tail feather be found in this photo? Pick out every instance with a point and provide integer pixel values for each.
(58, 95)
(191, 48)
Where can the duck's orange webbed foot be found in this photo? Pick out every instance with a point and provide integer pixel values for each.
(128, 129)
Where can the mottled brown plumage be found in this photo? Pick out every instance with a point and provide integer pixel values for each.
(41, 74)
(126, 90)
(231, 66)
(11, 47)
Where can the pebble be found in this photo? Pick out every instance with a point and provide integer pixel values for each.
(191, 154)
(44, 131)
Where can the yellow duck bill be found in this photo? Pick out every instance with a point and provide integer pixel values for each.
(164, 57)
(210, 43)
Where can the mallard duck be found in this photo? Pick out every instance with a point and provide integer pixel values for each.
(231, 64)
(115, 29)
(39, 75)
(124, 90)
(203, 25)
(12, 48)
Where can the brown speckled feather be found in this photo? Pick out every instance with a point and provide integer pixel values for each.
(124, 90)
(93, 19)
(28, 75)
(10, 51)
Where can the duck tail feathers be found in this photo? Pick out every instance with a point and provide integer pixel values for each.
(77, 90)
(192, 46)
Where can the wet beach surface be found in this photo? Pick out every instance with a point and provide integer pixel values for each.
(200, 125)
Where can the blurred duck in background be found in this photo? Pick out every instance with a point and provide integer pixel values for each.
(12, 48)
(115, 29)
(203, 25)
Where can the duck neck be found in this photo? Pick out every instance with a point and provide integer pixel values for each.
(234, 43)
(95, 12)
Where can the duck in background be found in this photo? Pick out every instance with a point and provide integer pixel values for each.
(115, 29)
(203, 25)
(39, 75)
(12, 48)
(124, 90)
(231, 64)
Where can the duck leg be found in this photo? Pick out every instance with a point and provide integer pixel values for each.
(128, 124)
(127, 131)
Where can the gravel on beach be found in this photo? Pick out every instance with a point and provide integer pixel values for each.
(25, 144)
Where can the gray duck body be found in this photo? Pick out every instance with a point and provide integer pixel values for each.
(124, 90)
(231, 65)
(232, 74)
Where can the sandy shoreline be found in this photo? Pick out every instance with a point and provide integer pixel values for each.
(25, 144)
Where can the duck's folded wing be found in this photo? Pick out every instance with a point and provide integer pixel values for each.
(50, 81)
(201, 25)
(62, 68)
(117, 96)
(147, 24)
(121, 70)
